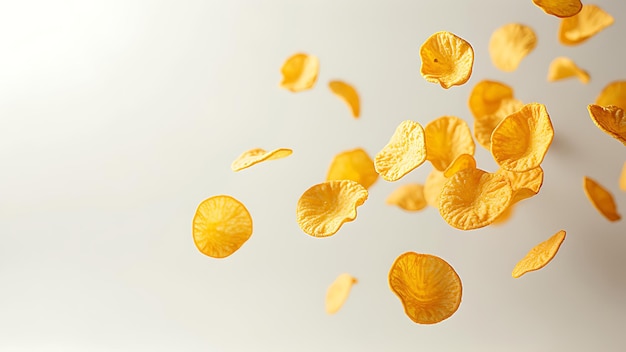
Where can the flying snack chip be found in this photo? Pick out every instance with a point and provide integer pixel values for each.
(338, 292)
(409, 197)
(355, 165)
(405, 151)
(609, 119)
(622, 178)
(601, 199)
(432, 187)
(221, 226)
(587, 23)
(563, 67)
(257, 155)
(446, 59)
(510, 44)
(525, 184)
(348, 94)
(560, 8)
(486, 97)
(462, 162)
(300, 72)
(613, 94)
(540, 255)
(484, 126)
(428, 287)
(447, 138)
(323, 208)
(505, 216)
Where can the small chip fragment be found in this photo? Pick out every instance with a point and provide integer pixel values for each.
(409, 197)
(300, 72)
(540, 255)
(486, 97)
(601, 199)
(613, 94)
(405, 151)
(338, 292)
(563, 67)
(325, 207)
(355, 165)
(510, 44)
(428, 287)
(348, 94)
(221, 226)
(446, 59)
(560, 8)
(484, 126)
(584, 25)
(447, 138)
(462, 162)
(525, 184)
(433, 186)
(609, 119)
(622, 178)
(257, 155)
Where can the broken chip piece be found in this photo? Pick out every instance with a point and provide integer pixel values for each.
(446, 59)
(405, 151)
(610, 119)
(588, 22)
(348, 94)
(355, 165)
(563, 67)
(601, 199)
(257, 155)
(540, 255)
(447, 138)
(338, 292)
(409, 197)
(560, 8)
(300, 72)
(510, 44)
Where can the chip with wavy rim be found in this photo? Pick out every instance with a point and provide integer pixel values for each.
(300, 72)
(540, 255)
(405, 151)
(432, 187)
(610, 119)
(510, 44)
(622, 178)
(409, 197)
(613, 93)
(588, 22)
(348, 94)
(447, 137)
(446, 59)
(355, 165)
(338, 292)
(563, 67)
(486, 97)
(601, 199)
(525, 184)
(560, 8)
(257, 155)
(484, 126)
(462, 162)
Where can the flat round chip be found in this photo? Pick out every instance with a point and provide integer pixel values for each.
(405, 151)
(613, 94)
(409, 197)
(610, 119)
(484, 126)
(446, 59)
(486, 97)
(563, 67)
(540, 255)
(355, 165)
(257, 155)
(601, 199)
(338, 292)
(560, 8)
(510, 44)
(447, 138)
(300, 72)
(348, 94)
(588, 22)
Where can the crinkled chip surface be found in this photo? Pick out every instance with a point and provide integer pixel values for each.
(338, 292)
(560, 8)
(540, 255)
(486, 97)
(505, 216)
(348, 94)
(355, 165)
(446, 59)
(601, 199)
(609, 119)
(613, 94)
(484, 126)
(587, 23)
(510, 44)
(563, 67)
(257, 155)
(462, 162)
(405, 151)
(433, 186)
(300, 72)
(525, 184)
(409, 197)
(447, 138)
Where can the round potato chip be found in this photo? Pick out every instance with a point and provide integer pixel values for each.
(257, 155)
(462, 162)
(563, 67)
(355, 165)
(323, 208)
(446, 59)
(428, 287)
(622, 178)
(300, 72)
(525, 184)
(613, 94)
(446, 139)
(484, 126)
(560, 8)
(584, 25)
(486, 97)
(409, 197)
(405, 151)
(521, 141)
(221, 226)
(601, 199)
(510, 44)
(609, 119)
(338, 292)
(433, 186)
(348, 94)
(540, 255)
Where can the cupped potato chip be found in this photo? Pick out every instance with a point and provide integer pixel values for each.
(563, 67)
(348, 94)
(338, 292)
(505, 216)
(484, 126)
(462, 162)
(521, 141)
(323, 208)
(601, 199)
(609, 119)
(428, 287)
(525, 184)
(613, 94)
(433, 186)
(257, 155)
(510, 44)
(300, 72)
(447, 137)
(540, 255)
(584, 25)
(560, 8)
(622, 178)
(473, 198)
(409, 197)
(446, 59)
(221, 226)
(486, 97)
(355, 165)
(405, 151)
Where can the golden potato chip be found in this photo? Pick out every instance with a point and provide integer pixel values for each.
(563, 67)
(338, 292)
(486, 97)
(462, 162)
(446, 138)
(521, 141)
(609, 119)
(446, 59)
(601, 199)
(505, 216)
(510, 44)
(355, 165)
(473, 198)
(221, 226)
(540, 255)
(584, 25)
(484, 126)
(323, 208)
(428, 287)
(560, 8)
(300, 72)
(525, 184)
(257, 155)
(433, 186)
(405, 151)
(622, 178)
(348, 94)
(409, 197)
(613, 94)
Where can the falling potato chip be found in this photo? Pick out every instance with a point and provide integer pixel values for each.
(601, 199)
(486, 97)
(323, 208)
(405, 151)
(587, 23)
(257, 155)
(300, 72)
(446, 138)
(462, 162)
(563, 67)
(428, 287)
(609, 119)
(338, 292)
(613, 94)
(505, 216)
(622, 178)
(348, 94)
(355, 165)
(560, 8)
(540, 255)
(446, 59)
(525, 184)
(510, 44)
(484, 126)
(521, 141)
(433, 186)
(409, 197)
(221, 226)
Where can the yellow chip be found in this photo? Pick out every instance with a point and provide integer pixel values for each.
(560, 8)
(587, 23)
(601, 199)
(505, 216)
(462, 162)
(521, 141)
(613, 94)
(433, 186)
(300, 72)
(446, 138)
(323, 208)
(348, 94)
(409, 197)
(473, 198)
(525, 184)
(405, 151)
(338, 292)
(622, 178)
(484, 126)
(540, 255)
(486, 97)
(609, 119)
(257, 155)
(563, 67)
(510, 44)
(428, 287)
(355, 165)
(221, 226)
(446, 59)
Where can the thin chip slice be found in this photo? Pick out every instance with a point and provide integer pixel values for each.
(486, 97)
(560, 8)
(540, 255)
(610, 119)
(405, 151)
(484, 126)
(563, 67)
(521, 141)
(462, 162)
(584, 25)
(355, 165)
(428, 287)
(446, 59)
(348, 94)
(447, 138)
(221, 226)
(601, 199)
(510, 44)
(257, 155)
(505, 216)
(525, 184)
(300, 72)
(613, 94)
(433, 186)
(622, 178)
(325, 207)
(409, 197)
(338, 292)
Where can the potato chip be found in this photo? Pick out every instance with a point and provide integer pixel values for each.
(505, 216)
(609, 119)
(446, 59)
(486, 97)
(510, 44)
(601, 199)
(613, 94)
(540, 255)
(484, 126)
(409, 197)
(323, 208)
(338, 292)
(348, 94)
(221, 226)
(428, 287)
(462, 162)
(446, 138)
(587, 23)
(473, 198)
(525, 184)
(257, 155)
(355, 165)
(560, 8)
(433, 186)
(622, 178)
(405, 151)
(300, 72)
(563, 67)
(521, 141)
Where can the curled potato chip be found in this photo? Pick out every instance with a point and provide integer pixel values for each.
(622, 178)
(484, 126)
(323, 208)
(355, 165)
(505, 216)
(540, 255)
(601, 199)
(613, 94)
(348, 94)
(405, 151)
(584, 25)
(510, 44)
(521, 140)
(609, 119)
(433, 186)
(446, 138)
(486, 97)
(428, 287)
(409, 197)
(446, 59)
(257, 155)
(563, 67)
(338, 292)
(525, 184)
(221, 226)
(462, 162)
(560, 8)
(300, 72)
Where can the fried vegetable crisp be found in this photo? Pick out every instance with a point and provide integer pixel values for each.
(609, 119)
(560, 8)
(540, 255)
(355, 165)
(447, 138)
(510, 44)
(405, 151)
(484, 126)
(601, 199)
(348, 94)
(300, 72)
(563, 67)
(486, 97)
(338, 292)
(613, 94)
(257, 155)
(409, 197)
(587, 23)
(446, 59)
